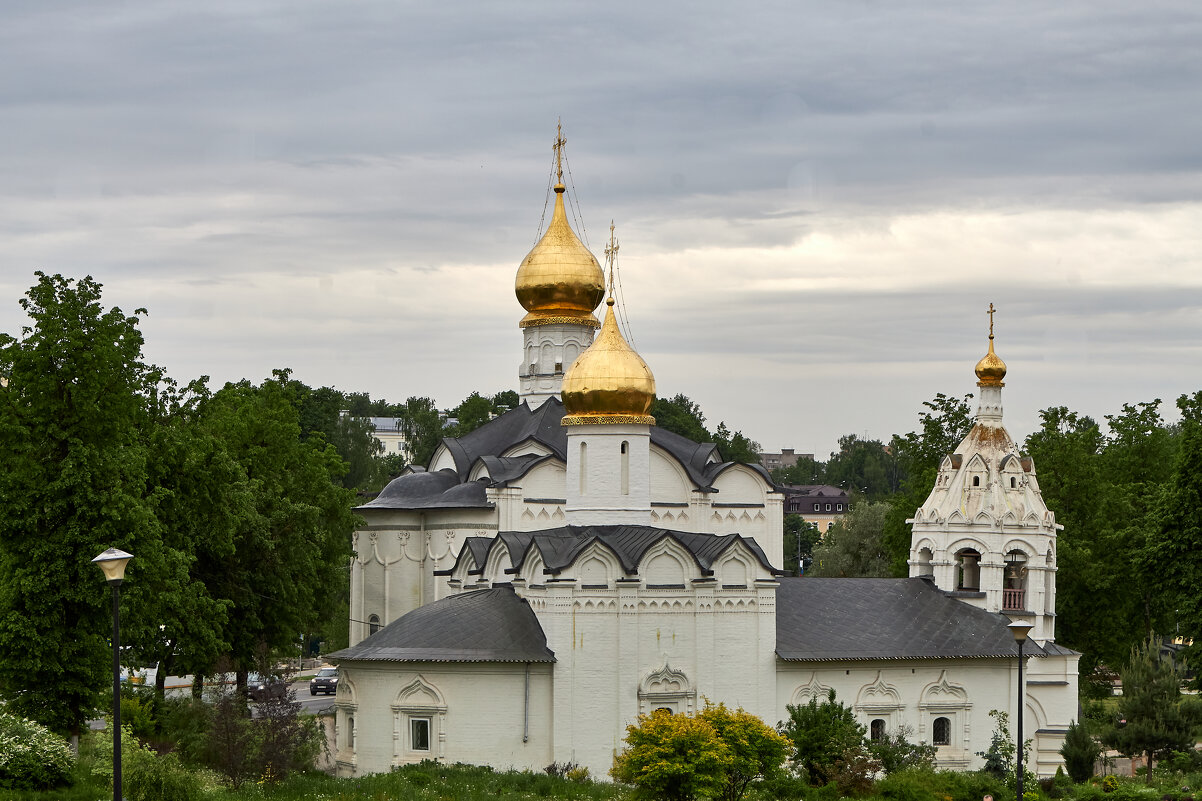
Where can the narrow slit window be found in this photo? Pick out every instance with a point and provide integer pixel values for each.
(625, 468)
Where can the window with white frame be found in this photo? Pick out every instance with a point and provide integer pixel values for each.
(419, 734)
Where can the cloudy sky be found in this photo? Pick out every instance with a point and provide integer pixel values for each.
(816, 202)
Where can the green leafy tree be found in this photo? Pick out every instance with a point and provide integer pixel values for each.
(734, 446)
(421, 422)
(1154, 719)
(74, 482)
(283, 566)
(673, 758)
(826, 739)
(1174, 551)
(805, 471)
(1080, 752)
(473, 412)
(853, 547)
(944, 424)
(682, 416)
(799, 542)
(504, 401)
(864, 467)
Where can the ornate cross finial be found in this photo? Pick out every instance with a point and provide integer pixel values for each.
(611, 254)
(558, 148)
(991, 311)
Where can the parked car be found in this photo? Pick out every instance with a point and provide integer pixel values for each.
(260, 688)
(326, 681)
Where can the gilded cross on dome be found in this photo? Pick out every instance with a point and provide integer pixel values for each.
(611, 256)
(558, 148)
(991, 311)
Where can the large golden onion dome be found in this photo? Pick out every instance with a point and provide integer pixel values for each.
(609, 382)
(559, 281)
(991, 369)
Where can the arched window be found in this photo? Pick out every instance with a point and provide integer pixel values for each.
(1013, 482)
(976, 481)
(373, 624)
(625, 468)
(924, 562)
(942, 732)
(1014, 591)
(876, 729)
(969, 563)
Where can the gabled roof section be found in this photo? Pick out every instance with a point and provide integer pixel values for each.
(503, 432)
(493, 625)
(438, 490)
(559, 547)
(826, 619)
(503, 469)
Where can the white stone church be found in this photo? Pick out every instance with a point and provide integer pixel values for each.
(569, 565)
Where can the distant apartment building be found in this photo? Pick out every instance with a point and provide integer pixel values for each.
(820, 504)
(786, 458)
(389, 433)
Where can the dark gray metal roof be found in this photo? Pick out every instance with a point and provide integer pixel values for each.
(820, 619)
(559, 547)
(493, 625)
(438, 490)
(542, 426)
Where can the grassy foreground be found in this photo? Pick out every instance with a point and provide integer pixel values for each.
(425, 782)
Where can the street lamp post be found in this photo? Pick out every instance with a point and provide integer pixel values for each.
(1020, 629)
(113, 562)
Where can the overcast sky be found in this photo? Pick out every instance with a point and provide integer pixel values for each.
(816, 202)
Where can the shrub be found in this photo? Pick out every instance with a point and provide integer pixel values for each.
(672, 757)
(756, 751)
(1080, 752)
(895, 752)
(822, 735)
(920, 784)
(31, 756)
(146, 776)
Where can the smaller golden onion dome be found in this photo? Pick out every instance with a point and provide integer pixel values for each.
(991, 369)
(559, 281)
(609, 382)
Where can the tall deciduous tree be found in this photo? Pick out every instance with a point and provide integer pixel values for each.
(284, 564)
(1174, 550)
(853, 547)
(73, 481)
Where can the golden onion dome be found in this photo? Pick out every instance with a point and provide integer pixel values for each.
(609, 382)
(559, 281)
(991, 369)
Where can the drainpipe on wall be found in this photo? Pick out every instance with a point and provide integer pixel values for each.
(526, 709)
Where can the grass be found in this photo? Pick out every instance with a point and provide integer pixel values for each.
(424, 782)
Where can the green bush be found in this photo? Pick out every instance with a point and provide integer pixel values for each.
(31, 756)
(1080, 752)
(149, 777)
(924, 785)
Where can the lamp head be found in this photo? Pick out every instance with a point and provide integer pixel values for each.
(113, 562)
(1020, 629)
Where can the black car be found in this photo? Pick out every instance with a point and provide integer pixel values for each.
(260, 688)
(326, 681)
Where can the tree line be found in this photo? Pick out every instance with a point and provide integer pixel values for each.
(1129, 495)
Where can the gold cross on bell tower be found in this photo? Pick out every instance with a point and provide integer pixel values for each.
(558, 148)
(991, 311)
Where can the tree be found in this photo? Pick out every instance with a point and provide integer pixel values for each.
(421, 423)
(1174, 550)
(734, 447)
(862, 466)
(799, 541)
(825, 737)
(1153, 720)
(803, 472)
(1080, 752)
(74, 482)
(473, 412)
(672, 758)
(853, 546)
(918, 454)
(283, 564)
(682, 416)
(756, 751)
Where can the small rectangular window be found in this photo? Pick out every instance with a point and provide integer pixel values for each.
(828, 507)
(817, 507)
(839, 507)
(419, 734)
